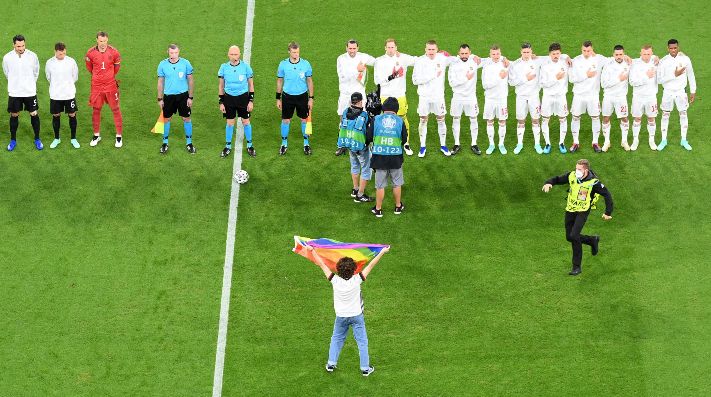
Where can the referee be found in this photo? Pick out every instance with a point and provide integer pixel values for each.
(584, 191)
(175, 95)
(294, 91)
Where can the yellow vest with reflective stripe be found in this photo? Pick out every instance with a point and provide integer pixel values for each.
(579, 194)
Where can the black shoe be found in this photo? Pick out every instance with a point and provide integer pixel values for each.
(576, 270)
(164, 148)
(378, 213)
(595, 246)
(363, 199)
(282, 150)
(307, 150)
(225, 152)
(251, 152)
(190, 148)
(341, 151)
(368, 371)
(455, 149)
(354, 193)
(398, 210)
(475, 150)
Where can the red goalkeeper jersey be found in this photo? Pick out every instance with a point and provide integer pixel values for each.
(103, 67)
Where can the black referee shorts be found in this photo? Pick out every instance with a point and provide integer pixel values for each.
(236, 106)
(18, 104)
(291, 102)
(57, 106)
(176, 104)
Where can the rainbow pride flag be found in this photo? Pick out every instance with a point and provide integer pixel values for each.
(331, 251)
(160, 123)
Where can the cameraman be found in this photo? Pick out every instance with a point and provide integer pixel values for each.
(351, 136)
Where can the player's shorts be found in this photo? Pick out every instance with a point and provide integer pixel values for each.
(642, 105)
(394, 175)
(236, 106)
(57, 106)
(616, 103)
(670, 98)
(98, 99)
(469, 107)
(427, 106)
(360, 163)
(554, 105)
(495, 108)
(344, 101)
(17, 104)
(300, 103)
(526, 105)
(402, 105)
(177, 103)
(585, 104)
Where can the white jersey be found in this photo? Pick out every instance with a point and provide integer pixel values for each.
(462, 87)
(494, 86)
(350, 79)
(22, 73)
(551, 85)
(347, 300)
(61, 76)
(671, 82)
(582, 84)
(520, 69)
(428, 76)
(642, 84)
(385, 66)
(610, 79)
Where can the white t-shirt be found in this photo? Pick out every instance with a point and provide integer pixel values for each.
(61, 76)
(347, 301)
(21, 72)
(348, 74)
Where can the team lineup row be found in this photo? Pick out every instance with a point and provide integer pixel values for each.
(529, 75)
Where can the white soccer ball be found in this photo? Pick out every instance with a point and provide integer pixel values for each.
(241, 177)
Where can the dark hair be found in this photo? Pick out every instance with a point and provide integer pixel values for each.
(173, 47)
(587, 43)
(554, 47)
(345, 267)
(60, 46)
(101, 33)
(17, 38)
(293, 46)
(525, 45)
(673, 41)
(495, 47)
(391, 105)
(352, 41)
(431, 42)
(464, 45)
(619, 47)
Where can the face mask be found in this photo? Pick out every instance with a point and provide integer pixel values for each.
(579, 174)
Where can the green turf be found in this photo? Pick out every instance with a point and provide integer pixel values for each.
(112, 260)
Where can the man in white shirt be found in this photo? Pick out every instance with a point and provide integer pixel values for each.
(21, 67)
(554, 80)
(674, 71)
(494, 80)
(352, 75)
(462, 79)
(614, 81)
(428, 76)
(525, 77)
(643, 79)
(390, 71)
(585, 76)
(348, 304)
(62, 73)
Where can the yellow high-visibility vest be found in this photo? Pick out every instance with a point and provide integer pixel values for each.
(579, 194)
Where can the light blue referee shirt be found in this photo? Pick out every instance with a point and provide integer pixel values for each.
(235, 77)
(294, 75)
(175, 75)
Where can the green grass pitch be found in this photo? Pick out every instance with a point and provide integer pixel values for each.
(112, 260)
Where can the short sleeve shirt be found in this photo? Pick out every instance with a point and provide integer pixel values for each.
(236, 77)
(175, 75)
(347, 300)
(294, 75)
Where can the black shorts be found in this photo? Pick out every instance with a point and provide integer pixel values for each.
(298, 102)
(18, 104)
(236, 106)
(176, 104)
(57, 106)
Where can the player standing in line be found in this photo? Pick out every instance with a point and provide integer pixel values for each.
(62, 73)
(615, 84)
(585, 76)
(175, 94)
(428, 76)
(554, 80)
(525, 76)
(103, 62)
(462, 79)
(21, 67)
(352, 75)
(643, 79)
(674, 71)
(236, 91)
(294, 90)
(494, 80)
(390, 71)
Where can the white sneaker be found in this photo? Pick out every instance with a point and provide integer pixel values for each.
(635, 144)
(606, 147)
(652, 145)
(119, 142)
(626, 146)
(95, 140)
(408, 151)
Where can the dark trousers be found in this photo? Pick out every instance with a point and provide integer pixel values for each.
(574, 222)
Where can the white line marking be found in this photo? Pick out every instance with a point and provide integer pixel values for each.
(231, 226)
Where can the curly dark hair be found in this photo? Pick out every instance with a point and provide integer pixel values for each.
(346, 267)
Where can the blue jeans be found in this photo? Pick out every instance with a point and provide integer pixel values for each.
(340, 331)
